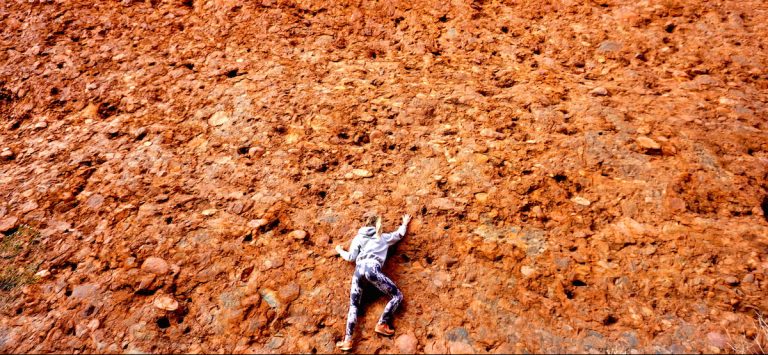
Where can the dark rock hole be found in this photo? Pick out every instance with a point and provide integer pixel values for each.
(560, 178)
(68, 293)
(443, 19)
(106, 109)
(764, 206)
(163, 322)
(242, 150)
(232, 73)
(428, 259)
(248, 237)
(610, 320)
(504, 29)
(569, 294)
(168, 220)
(269, 226)
(145, 292)
(578, 283)
(89, 310)
(670, 28)
(54, 91)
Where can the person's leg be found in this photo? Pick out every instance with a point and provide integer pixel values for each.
(355, 295)
(385, 284)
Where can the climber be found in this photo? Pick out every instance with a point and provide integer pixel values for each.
(369, 250)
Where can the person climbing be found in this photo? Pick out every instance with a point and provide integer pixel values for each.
(369, 251)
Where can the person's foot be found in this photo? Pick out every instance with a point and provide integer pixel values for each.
(344, 345)
(384, 330)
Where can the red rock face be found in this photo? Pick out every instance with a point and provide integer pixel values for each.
(584, 176)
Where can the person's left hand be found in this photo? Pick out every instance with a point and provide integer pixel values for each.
(340, 250)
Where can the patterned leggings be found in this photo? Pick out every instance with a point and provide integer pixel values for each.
(371, 271)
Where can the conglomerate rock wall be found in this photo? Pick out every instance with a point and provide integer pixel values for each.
(584, 175)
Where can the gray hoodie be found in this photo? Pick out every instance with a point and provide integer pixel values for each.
(366, 244)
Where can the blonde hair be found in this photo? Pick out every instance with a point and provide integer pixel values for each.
(373, 220)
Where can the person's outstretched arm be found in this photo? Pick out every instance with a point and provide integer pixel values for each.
(394, 237)
(354, 249)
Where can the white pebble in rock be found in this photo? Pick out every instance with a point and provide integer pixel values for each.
(581, 201)
(527, 270)
(218, 119)
(166, 303)
(6, 154)
(362, 173)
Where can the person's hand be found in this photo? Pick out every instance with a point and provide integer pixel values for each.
(406, 219)
(339, 249)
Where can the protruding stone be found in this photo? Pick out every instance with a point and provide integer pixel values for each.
(407, 343)
(731, 280)
(289, 292)
(609, 46)
(457, 347)
(155, 265)
(647, 143)
(270, 297)
(257, 223)
(84, 291)
(7, 154)
(7, 223)
(599, 91)
(717, 339)
(298, 234)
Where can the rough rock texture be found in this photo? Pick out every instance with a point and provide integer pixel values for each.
(584, 175)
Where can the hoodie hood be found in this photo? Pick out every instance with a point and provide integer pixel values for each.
(367, 232)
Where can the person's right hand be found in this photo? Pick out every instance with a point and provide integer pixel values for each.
(339, 249)
(406, 219)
